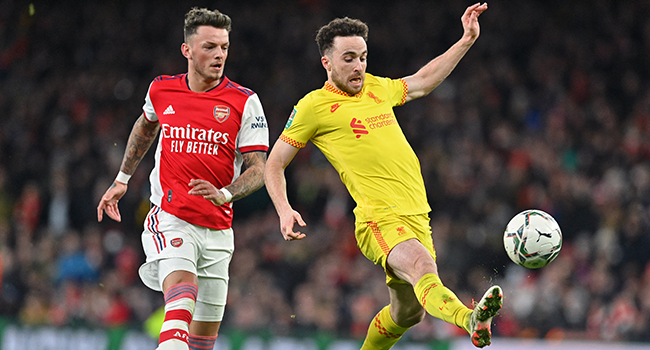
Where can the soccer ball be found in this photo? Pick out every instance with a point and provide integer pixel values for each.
(532, 239)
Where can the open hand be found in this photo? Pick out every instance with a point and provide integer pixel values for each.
(109, 201)
(470, 20)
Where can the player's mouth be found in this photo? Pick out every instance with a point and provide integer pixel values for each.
(356, 81)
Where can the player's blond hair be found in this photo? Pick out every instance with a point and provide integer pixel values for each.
(197, 17)
(339, 27)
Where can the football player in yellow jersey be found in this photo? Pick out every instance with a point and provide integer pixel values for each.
(351, 121)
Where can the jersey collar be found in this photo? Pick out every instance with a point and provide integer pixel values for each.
(224, 81)
(331, 88)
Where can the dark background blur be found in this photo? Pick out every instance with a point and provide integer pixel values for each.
(550, 109)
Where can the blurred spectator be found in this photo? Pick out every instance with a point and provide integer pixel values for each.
(73, 264)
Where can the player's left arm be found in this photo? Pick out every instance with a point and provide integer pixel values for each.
(252, 179)
(248, 182)
(433, 73)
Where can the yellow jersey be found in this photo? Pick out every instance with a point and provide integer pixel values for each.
(362, 139)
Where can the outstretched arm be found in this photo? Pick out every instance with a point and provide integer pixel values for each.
(276, 184)
(142, 136)
(248, 182)
(433, 73)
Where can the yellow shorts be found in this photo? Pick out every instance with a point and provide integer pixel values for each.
(377, 238)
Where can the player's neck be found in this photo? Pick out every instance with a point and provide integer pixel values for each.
(197, 83)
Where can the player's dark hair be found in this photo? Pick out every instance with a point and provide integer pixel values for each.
(197, 17)
(339, 27)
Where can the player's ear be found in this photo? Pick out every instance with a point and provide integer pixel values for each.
(326, 63)
(185, 50)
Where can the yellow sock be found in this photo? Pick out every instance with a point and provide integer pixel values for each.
(383, 332)
(441, 302)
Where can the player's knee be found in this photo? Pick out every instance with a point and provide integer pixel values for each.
(424, 264)
(409, 317)
(417, 317)
(178, 276)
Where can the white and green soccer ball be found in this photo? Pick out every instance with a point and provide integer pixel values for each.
(532, 239)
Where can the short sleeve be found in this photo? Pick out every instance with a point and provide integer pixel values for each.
(254, 133)
(147, 109)
(397, 90)
(301, 125)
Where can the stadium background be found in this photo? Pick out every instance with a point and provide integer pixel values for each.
(550, 109)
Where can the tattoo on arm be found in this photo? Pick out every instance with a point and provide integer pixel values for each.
(252, 179)
(142, 136)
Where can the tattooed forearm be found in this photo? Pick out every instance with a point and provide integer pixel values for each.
(142, 136)
(252, 178)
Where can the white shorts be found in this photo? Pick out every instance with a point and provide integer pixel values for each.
(202, 251)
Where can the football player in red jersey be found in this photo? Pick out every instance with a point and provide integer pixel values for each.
(209, 127)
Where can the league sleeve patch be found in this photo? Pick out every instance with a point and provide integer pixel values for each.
(290, 121)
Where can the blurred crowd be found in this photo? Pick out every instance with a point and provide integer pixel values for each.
(550, 109)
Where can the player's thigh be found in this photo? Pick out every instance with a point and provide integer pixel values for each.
(410, 260)
(166, 237)
(405, 309)
(212, 269)
(217, 248)
(377, 239)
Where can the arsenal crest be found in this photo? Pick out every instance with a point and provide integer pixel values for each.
(177, 242)
(221, 113)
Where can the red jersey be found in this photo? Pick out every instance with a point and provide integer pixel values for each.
(202, 136)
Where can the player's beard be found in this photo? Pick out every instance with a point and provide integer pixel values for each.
(208, 75)
(342, 83)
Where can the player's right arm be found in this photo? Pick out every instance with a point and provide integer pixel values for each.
(141, 138)
(276, 185)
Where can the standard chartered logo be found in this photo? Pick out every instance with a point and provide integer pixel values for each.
(381, 120)
(188, 139)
